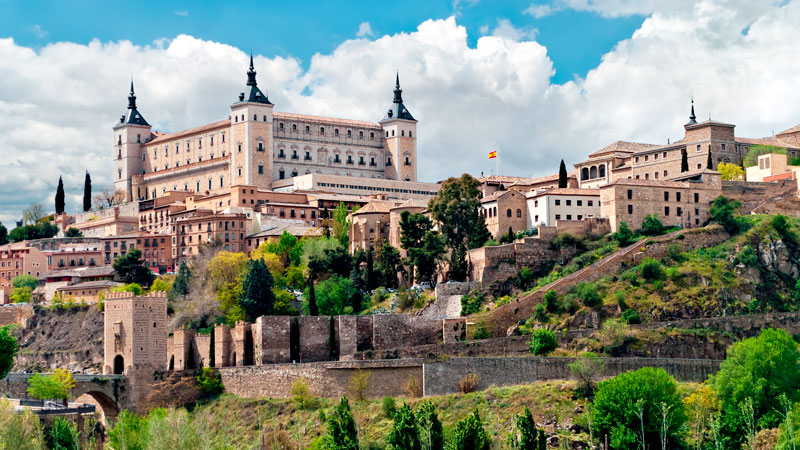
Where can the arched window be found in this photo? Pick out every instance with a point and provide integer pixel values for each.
(280, 126)
(372, 135)
(402, 132)
(409, 134)
(593, 172)
(308, 129)
(265, 118)
(321, 130)
(519, 213)
(349, 133)
(508, 213)
(294, 127)
(602, 171)
(585, 173)
(294, 172)
(494, 211)
(361, 135)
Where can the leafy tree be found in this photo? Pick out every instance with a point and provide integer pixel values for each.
(684, 161)
(551, 301)
(731, 171)
(724, 212)
(60, 197)
(87, 193)
(794, 161)
(651, 269)
(341, 224)
(228, 297)
(562, 175)
(227, 267)
(761, 369)
(40, 230)
(431, 434)
(209, 382)
(652, 226)
(424, 245)
(587, 368)
(8, 350)
(3, 234)
(389, 407)
(789, 432)
(130, 287)
(73, 232)
(359, 288)
(471, 303)
(257, 298)
(180, 286)
(331, 296)
(543, 342)
(160, 285)
(620, 401)
(131, 269)
(587, 293)
(25, 280)
(709, 161)
(342, 433)
(283, 303)
(51, 387)
(751, 158)
(128, 432)
(623, 235)
(525, 436)
(455, 209)
(21, 295)
(388, 264)
(404, 434)
(63, 435)
(470, 435)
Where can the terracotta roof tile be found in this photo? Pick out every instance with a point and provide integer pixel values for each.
(794, 129)
(623, 146)
(161, 137)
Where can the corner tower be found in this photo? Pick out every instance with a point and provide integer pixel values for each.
(400, 132)
(130, 134)
(251, 136)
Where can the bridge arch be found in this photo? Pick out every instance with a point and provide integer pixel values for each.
(106, 408)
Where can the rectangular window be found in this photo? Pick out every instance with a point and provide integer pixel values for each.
(630, 194)
(558, 216)
(677, 196)
(666, 196)
(722, 147)
(696, 197)
(260, 170)
(589, 203)
(646, 158)
(569, 216)
(569, 202)
(579, 202)
(679, 211)
(666, 211)
(698, 148)
(558, 202)
(536, 203)
(630, 209)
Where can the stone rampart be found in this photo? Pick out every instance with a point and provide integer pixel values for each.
(15, 314)
(502, 262)
(753, 194)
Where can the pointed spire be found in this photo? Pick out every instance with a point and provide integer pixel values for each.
(251, 74)
(398, 93)
(692, 117)
(132, 97)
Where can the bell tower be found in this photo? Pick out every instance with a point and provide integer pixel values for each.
(130, 134)
(400, 132)
(251, 136)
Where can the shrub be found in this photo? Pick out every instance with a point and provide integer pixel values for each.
(404, 434)
(551, 301)
(64, 435)
(747, 256)
(409, 298)
(631, 317)
(430, 427)
(724, 212)
(587, 293)
(342, 432)
(525, 278)
(471, 303)
(650, 269)
(675, 252)
(652, 226)
(359, 384)
(209, 382)
(128, 431)
(8, 350)
(543, 342)
(481, 332)
(630, 277)
(619, 296)
(623, 235)
(301, 396)
(468, 383)
(51, 387)
(540, 313)
(567, 240)
(379, 296)
(586, 369)
(620, 402)
(388, 407)
(470, 435)
(672, 273)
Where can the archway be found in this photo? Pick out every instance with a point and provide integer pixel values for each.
(105, 408)
(119, 365)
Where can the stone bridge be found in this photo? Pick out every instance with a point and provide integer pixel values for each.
(111, 393)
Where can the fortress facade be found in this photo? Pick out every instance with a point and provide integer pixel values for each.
(257, 146)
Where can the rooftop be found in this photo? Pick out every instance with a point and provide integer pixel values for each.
(622, 147)
(565, 191)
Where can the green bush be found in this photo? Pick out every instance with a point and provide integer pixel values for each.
(470, 435)
(651, 269)
(724, 212)
(567, 240)
(543, 342)
(620, 297)
(389, 407)
(652, 226)
(342, 431)
(481, 332)
(63, 435)
(619, 401)
(128, 432)
(404, 434)
(551, 301)
(430, 427)
(747, 256)
(587, 293)
(540, 313)
(630, 277)
(471, 303)
(623, 235)
(8, 350)
(631, 317)
(675, 252)
(209, 382)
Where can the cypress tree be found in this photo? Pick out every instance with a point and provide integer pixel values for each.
(709, 163)
(60, 197)
(257, 298)
(470, 434)
(312, 299)
(180, 287)
(359, 287)
(342, 433)
(404, 434)
(562, 175)
(684, 161)
(87, 193)
(431, 433)
(525, 437)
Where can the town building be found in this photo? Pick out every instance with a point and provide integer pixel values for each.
(257, 146)
(87, 291)
(683, 201)
(74, 255)
(134, 333)
(18, 259)
(504, 211)
(52, 281)
(546, 207)
(349, 185)
(772, 167)
(370, 225)
(492, 183)
(193, 229)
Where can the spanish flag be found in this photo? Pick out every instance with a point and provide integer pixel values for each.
(493, 155)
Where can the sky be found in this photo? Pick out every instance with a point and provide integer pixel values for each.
(537, 81)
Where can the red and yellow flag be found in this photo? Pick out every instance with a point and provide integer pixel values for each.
(493, 155)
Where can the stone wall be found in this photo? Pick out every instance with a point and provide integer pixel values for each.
(15, 314)
(448, 300)
(440, 378)
(272, 339)
(488, 265)
(390, 329)
(315, 333)
(754, 194)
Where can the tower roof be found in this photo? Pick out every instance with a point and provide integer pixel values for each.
(398, 110)
(254, 95)
(133, 116)
(692, 117)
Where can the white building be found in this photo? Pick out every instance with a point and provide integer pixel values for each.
(545, 207)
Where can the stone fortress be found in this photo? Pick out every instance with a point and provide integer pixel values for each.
(257, 146)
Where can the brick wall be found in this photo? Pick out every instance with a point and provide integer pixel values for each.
(314, 335)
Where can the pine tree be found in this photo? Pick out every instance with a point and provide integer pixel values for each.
(684, 161)
(710, 162)
(87, 193)
(470, 434)
(404, 434)
(542, 440)
(312, 299)
(562, 175)
(60, 197)
(257, 298)
(360, 288)
(342, 433)
(180, 287)
(525, 437)
(430, 427)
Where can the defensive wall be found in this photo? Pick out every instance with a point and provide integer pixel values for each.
(15, 314)
(392, 377)
(753, 194)
(521, 308)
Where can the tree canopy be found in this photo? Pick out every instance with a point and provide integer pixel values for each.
(131, 269)
(342, 432)
(424, 246)
(562, 175)
(8, 350)
(751, 158)
(257, 298)
(51, 387)
(731, 172)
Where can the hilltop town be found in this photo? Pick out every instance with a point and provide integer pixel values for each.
(279, 273)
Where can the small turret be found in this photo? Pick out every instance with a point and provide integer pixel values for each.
(692, 117)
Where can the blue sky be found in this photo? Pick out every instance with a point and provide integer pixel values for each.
(575, 40)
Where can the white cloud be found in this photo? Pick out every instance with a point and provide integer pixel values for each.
(56, 116)
(39, 32)
(365, 30)
(181, 13)
(538, 11)
(505, 29)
